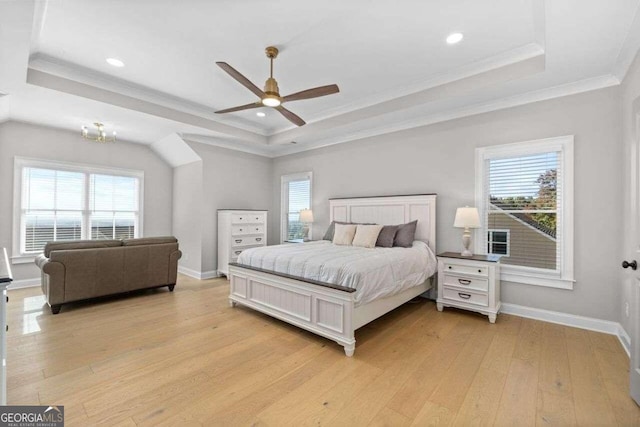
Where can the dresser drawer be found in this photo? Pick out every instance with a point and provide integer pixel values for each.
(248, 240)
(466, 296)
(249, 218)
(473, 283)
(243, 230)
(235, 252)
(466, 269)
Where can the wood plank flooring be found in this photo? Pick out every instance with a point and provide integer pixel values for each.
(186, 358)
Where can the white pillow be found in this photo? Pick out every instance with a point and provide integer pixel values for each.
(344, 234)
(366, 235)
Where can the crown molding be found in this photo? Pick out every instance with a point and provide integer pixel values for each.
(568, 89)
(629, 48)
(67, 70)
(264, 151)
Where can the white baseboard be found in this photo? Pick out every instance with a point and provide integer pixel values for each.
(582, 322)
(24, 283)
(197, 274)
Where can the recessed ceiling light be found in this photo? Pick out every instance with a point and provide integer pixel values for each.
(115, 62)
(260, 114)
(454, 38)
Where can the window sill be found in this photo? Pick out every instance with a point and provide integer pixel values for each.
(23, 259)
(513, 275)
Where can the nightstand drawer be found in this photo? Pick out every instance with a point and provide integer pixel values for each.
(466, 269)
(470, 282)
(466, 296)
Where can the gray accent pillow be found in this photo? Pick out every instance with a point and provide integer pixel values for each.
(386, 236)
(406, 235)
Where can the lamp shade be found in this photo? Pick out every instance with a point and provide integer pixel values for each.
(467, 218)
(306, 215)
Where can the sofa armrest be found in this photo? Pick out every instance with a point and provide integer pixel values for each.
(173, 265)
(53, 279)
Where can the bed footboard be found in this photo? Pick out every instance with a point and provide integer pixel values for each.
(323, 309)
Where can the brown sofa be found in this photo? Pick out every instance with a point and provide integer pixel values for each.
(82, 269)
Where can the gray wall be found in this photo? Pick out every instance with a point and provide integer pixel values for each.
(627, 249)
(440, 158)
(187, 213)
(20, 139)
(231, 180)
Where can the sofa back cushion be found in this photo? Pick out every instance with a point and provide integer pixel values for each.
(149, 241)
(79, 244)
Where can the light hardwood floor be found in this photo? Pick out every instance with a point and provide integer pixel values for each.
(186, 358)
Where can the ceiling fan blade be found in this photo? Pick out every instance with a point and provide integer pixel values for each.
(241, 79)
(290, 116)
(312, 93)
(241, 107)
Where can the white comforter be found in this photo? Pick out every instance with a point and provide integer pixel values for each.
(374, 273)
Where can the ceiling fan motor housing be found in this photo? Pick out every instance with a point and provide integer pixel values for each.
(271, 87)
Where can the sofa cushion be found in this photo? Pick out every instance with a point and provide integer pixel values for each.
(79, 244)
(149, 241)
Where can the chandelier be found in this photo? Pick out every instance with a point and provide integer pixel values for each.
(101, 136)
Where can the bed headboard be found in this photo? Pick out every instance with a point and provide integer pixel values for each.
(390, 210)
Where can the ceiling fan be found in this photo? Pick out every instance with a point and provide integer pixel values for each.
(270, 97)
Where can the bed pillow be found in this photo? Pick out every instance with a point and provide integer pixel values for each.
(405, 235)
(344, 234)
(332, 227)
(366, 235)
(387, 235)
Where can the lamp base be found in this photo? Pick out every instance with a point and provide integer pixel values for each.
(466, 242)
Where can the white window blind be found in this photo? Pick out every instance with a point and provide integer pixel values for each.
(524, 208)
(58, 204)
(296, 196)
(52, 205)
(523, 197)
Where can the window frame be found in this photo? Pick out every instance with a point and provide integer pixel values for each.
(507, 243)
(20, 257)
(284, 200)
(563, 277)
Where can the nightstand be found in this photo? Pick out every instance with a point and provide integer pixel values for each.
(470, 283)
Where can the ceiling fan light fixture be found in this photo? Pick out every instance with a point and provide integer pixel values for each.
(271, 101)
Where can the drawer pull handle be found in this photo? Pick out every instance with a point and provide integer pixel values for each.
(238, 252)
(257, 218)
(241, 229)
(449, 267)
(479, 271)
(238, 240)
(258, 239)
(257, 229)
(240, 218)
(464, 296)
(464, 281)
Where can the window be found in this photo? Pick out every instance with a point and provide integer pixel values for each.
(525, 196)
(58, 201)
(498, 242)
(296, 195)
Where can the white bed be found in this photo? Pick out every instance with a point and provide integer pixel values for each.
(373, 273)
(335, 302)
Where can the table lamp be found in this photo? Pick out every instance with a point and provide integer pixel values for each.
(467, 218)
(306, 217)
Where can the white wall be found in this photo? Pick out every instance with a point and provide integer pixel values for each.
(20, 139)
(187, 213)
(630, 108)
(231, 180)
(440, 159)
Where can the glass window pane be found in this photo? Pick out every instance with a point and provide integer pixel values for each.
(299, 196)
(125, 225)
(102, 225)
(68, 226)
(39, 229)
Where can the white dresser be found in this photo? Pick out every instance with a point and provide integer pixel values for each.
(239, 230)
(471, 283)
